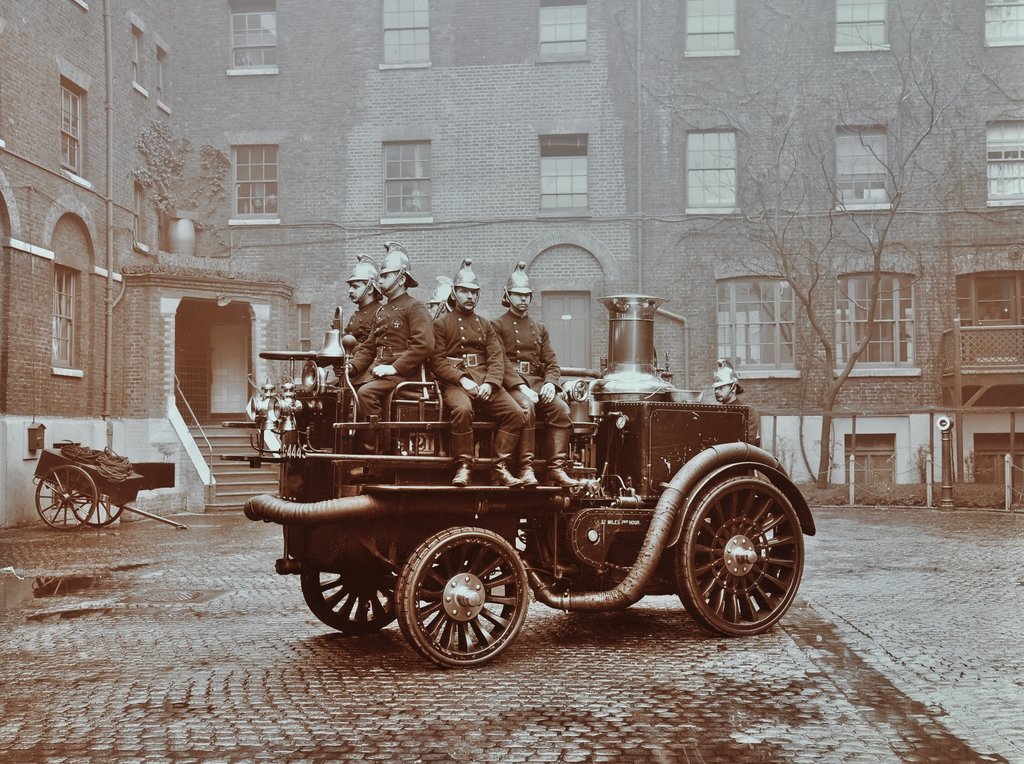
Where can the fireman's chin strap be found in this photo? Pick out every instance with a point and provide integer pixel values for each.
(519, 312)
(367, 290)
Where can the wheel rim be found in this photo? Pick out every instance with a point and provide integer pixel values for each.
(352, 605)
(104, 513)
(65, 496)
(462, 597)
(740, 563)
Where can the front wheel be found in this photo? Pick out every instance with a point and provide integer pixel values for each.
(740, 559)
(462, 597)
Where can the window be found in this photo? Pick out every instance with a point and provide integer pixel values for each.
(256, 181)
(874, 458)
(563, 171)
(711, 170)
(710, 26)
(1004, 22)
(65, 282)
(138, 204)
(305, 340)
(406, 31)
(71, 127)
(253, 35)
(860, 24)
(563, 28)
(1005, 144)
(161, 76)
(407, 178)
(990, 449)
(861, 171)
(137, 48)
(891, 341)
(990, 298)
(755, 323)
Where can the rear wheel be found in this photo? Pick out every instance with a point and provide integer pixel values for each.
(104, 514)
(741, 557)
(462, 597)
(354, 605)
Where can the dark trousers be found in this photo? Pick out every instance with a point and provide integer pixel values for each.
(554, 414)
(500, 408)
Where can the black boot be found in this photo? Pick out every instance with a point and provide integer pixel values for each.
(558, 438)
(504, 444)
(462, 450)
(525, 452)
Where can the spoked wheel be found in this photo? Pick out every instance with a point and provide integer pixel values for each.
(104, 513)
(354, 605)
(739, 562)
(65, 495)
(462, 597)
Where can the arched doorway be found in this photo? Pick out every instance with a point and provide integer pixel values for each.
(213, 348)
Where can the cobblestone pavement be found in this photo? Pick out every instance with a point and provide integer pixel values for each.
(145, 643)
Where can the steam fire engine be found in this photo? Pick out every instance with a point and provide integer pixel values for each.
(671, 501)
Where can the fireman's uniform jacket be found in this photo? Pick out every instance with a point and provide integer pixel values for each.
(403, 337)
(359, 326)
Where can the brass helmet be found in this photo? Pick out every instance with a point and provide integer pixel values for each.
(396, 259)
(441, 300)
(518, 283)
(364, 270)
(465, 278)
(725, 374)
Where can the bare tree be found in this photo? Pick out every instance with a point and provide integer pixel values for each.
(832, 169)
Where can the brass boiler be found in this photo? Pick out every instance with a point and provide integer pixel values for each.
(632, 359)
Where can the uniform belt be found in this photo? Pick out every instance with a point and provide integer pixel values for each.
(468, 360)
(386, 351)
(525, 367)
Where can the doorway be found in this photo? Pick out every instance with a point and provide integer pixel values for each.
(212, 358)
(567, 318)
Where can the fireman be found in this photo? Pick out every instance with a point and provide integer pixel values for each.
(402, 339)
(728, 390)
(364, 291)
(469, 364)
(532, 375)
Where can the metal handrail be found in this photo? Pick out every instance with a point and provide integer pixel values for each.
(195, 419)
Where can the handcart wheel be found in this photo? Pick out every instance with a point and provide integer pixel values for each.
(105, 513)
(65, 496)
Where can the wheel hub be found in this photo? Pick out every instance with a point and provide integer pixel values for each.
(464, 597)
(739, 555)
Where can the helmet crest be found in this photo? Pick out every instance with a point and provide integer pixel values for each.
(465, 277)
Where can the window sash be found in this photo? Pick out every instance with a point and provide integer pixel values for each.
(563, 171)
(711, 169)
(71, 130)
(303, 315)
(406, 31)
(256, 189)
(756, 323)
(861, 175)
(138, 200)
(891, 341)
(407, 181)
(1004, 21)
(253, 39)
(1005, 152)
(63, 335)
(860, 23)
(563, 30)
(161, 63)
(137, 56)
(710, 25)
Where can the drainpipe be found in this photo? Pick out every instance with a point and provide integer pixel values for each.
(639, 154)
(686, 342)
(108, 351)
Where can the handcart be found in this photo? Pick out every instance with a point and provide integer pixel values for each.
(82, 486)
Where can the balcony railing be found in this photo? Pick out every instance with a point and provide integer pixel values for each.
(983, 349)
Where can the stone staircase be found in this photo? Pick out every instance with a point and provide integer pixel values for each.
(235, 481)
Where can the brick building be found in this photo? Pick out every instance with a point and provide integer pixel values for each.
(734, 158)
